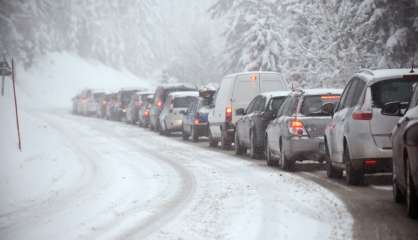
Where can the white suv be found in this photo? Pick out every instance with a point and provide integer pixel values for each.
(358, 137)
(236, 92)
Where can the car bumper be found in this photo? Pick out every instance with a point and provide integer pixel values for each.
(305, 148)
(372, 165)
(202, 129)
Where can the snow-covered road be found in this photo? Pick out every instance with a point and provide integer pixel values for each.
(135, 184)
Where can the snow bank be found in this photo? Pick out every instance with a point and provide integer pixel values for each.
(40, 171)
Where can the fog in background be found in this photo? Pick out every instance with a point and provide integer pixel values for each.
(315, 43)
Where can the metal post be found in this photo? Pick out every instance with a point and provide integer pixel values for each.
(2, 85)
(16, 111)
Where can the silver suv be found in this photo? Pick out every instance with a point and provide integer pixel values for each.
(297, 132)
(358, 137)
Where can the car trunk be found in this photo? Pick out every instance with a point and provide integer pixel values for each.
(315, 126)
(381, 128)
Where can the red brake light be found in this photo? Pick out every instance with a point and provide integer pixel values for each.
(330, 97)
(159, 104)
(196, 122)
(297, 128)
(362, 115)
(228, 114)
(146, 113)
(370, 162)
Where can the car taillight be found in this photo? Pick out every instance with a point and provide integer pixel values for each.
(146, 113)
(196, 119)
(297, 128)
(159, 104)
(228, 114)
(359, 115)
(370, 162)
(104, 102)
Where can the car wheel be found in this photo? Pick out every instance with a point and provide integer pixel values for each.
(353, 176)
(184, 135)
(195, 136)
(396, 192)
(332, 172)
(253, 148)
(286, 164)
(225, 141)
(239, 150)
(411, 197)
(212, 141)
(269, 157)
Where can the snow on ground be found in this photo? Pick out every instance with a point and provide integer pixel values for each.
(86, 178)
(40, 171)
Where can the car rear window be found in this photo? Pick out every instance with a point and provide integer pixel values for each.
(311, 105)
(276, 103)
(183, 102)
(396, 90)
(98, 96)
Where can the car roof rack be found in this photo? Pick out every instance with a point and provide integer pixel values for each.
(367, 71)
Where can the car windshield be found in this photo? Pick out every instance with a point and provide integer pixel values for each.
(312, 105)
(396, 90)
(276, 103)
(183, 102)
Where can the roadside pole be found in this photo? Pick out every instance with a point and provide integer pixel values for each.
(16, 110)
(2, 85)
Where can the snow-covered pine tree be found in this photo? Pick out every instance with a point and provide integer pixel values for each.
(253, 40)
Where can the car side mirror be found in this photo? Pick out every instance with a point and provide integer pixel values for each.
(328, 108)
(392, 109)
(240, 112)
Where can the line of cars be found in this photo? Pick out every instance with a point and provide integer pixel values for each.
(371, 126)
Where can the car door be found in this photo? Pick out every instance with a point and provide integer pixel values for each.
(256, 119)
(342, 114)
(244, 122)
(274, 126)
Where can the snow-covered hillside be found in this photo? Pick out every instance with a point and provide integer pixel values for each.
(48, 84)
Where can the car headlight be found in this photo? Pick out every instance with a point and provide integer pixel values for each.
(411, 135)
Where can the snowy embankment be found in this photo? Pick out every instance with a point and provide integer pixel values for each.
(40, 171)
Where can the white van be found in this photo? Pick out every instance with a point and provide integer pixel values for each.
(235, 92)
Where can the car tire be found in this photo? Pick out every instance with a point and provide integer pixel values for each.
(195, 135)
(398, 196)
(411, 197)
(212, 141)
(271, 161)
(239, 149)
(353, 177)
(225, 141)
(253, 149)
(332, 172)
(285, 163)
(184, 135)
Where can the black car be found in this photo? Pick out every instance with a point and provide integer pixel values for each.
(160, 97)
(405, 153)
(251, 128)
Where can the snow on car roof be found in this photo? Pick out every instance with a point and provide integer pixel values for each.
(372, 76)
(319, 91)
(139, 93)
(276, 93)
(252, 72)
(174, 85)
(185, 94)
